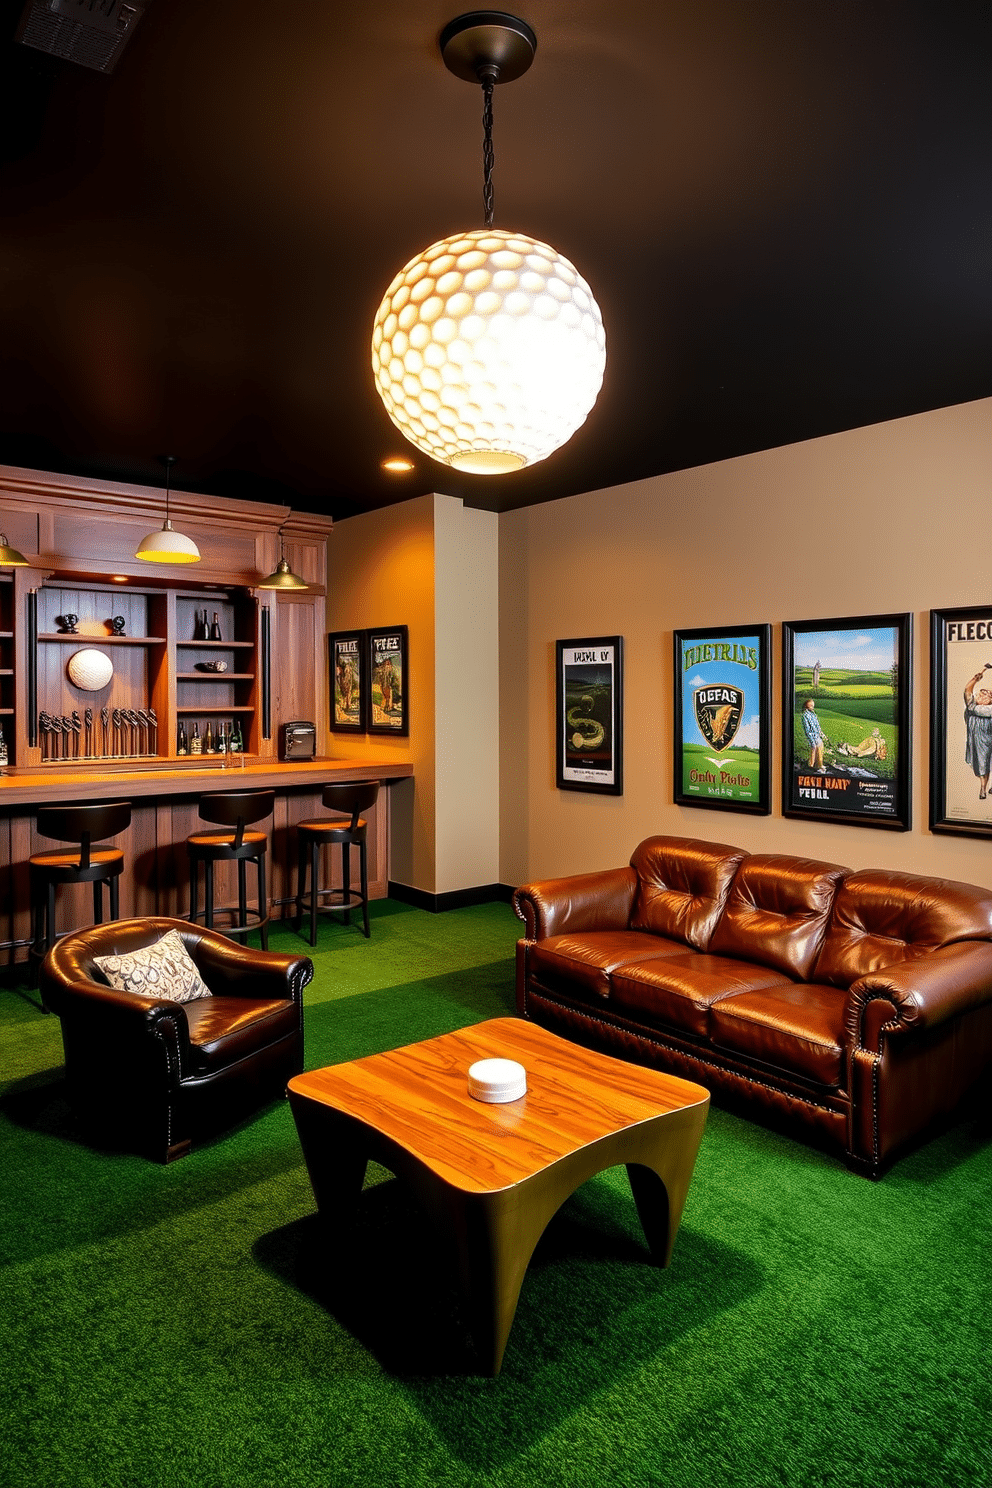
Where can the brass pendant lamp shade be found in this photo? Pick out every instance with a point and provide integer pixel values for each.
(282, 576)
(488, 348)
(168, 545)
(10, 557)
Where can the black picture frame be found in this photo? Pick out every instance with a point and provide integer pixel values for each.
(960, 735)
(346, 650)
(388, 691)
(860, 773)
(723, 710)
(589, 715)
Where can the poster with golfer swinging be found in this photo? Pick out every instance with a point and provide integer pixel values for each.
(846, 720)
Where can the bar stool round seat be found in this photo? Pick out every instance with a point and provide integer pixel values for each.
(84, 824)
(351, 797)
(238, 810)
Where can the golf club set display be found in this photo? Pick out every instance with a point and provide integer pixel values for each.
(110, 733)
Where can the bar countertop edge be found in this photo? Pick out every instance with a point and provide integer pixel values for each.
(28, 788)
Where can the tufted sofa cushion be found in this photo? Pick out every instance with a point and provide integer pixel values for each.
(777, 912)
(881, 918)
(682, 887)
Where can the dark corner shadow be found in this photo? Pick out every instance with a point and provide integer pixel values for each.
(966, 1133)
(370, 1022)
(592, 1310)
(81, 1188)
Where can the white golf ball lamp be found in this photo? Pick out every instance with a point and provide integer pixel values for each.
(488, 348)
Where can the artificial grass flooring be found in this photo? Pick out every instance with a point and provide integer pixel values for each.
(195, 1325)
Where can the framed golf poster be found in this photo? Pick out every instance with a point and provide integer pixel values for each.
(961, 721)
(347, 674)
(589, 715)
(722, 718)
(388, 681)
(846, 688)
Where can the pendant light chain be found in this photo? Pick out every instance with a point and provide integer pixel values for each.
(488, 157)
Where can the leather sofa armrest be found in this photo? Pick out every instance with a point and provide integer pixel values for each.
(922, 993)
(584, 902)
(233, 970)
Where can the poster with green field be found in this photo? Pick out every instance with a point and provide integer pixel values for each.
(722, 706)
(849, 719)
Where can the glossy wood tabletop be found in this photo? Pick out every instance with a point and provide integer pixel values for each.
(418, 1097)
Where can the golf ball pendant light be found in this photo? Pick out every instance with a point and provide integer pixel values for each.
(488, 348)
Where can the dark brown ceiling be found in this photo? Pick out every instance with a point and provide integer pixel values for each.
(781, 207)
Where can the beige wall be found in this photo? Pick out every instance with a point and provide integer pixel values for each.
(890, 518)
(433, 565)
(466, 708)
(380, 571)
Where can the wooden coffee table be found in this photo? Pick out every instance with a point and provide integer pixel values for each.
(491, 1176)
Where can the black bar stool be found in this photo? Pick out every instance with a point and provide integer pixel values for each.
(237, 809)
(84, 824)
(351, 797)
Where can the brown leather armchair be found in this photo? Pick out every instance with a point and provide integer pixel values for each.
(149, 1073)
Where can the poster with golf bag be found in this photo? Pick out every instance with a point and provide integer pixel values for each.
(846, 715)
(961, 721)
(589, 715)
(722, 718)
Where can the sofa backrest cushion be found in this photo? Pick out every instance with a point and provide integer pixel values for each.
(682, 887)
(777, 912)
(880, 918)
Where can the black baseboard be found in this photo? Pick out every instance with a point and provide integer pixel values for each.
(455, 899)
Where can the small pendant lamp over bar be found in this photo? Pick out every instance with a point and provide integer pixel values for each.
(488, 348)
(282, 576)
(168, 546)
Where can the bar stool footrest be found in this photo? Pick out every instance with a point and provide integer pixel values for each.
(255, 920)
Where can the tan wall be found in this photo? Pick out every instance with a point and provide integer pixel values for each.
(466, 717)
(380, 571)
(432, 565)
(884, 519)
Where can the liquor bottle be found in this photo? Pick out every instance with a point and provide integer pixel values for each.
(182, 744)
(208, 740)
(200, 628)
(235, 744)
(196, 743)
(215, 634)
(220, 743)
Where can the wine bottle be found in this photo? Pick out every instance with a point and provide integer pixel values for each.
(208, 740)
(200, 627)
(236, 744)
(182, 744)
(221, 742)
(215, 634)
(196, 743)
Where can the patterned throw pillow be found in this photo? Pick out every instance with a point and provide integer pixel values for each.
(164, 969)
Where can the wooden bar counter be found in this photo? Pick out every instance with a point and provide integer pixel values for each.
(164, 812)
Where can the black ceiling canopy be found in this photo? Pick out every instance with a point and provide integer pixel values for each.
(782, 210)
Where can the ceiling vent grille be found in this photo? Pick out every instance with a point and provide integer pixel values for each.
(92, 33)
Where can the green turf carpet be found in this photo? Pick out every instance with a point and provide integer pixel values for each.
(196, 1324)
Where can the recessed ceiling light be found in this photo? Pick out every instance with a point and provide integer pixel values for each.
(398, 465)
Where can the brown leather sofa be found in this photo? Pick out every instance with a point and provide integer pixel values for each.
(854, 1008)
(146, 1073)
